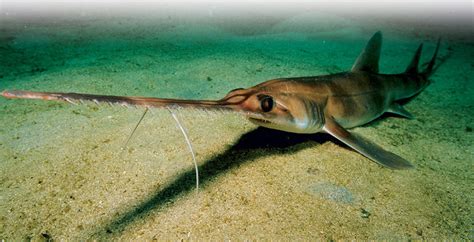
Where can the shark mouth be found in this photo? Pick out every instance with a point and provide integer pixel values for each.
(257, 120)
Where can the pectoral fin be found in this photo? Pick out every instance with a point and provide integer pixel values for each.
(365, 147)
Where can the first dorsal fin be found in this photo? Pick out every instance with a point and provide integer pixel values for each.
(368, 60)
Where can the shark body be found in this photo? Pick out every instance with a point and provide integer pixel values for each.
(328, 103)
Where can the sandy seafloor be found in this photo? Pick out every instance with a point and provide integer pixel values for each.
(63, 174)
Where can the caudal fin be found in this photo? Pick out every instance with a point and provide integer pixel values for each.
(430, 68)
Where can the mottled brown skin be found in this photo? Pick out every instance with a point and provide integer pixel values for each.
(328, 103)
(350, 98)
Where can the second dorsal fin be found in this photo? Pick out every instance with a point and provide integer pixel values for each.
(413, 67)
(368, 60)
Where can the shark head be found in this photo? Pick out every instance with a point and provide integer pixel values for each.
(276, 108)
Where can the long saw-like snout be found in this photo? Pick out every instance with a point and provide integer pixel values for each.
(149, 102)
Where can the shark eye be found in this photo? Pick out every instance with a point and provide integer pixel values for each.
(266, 103)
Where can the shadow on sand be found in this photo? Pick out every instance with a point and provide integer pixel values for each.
(254, 144)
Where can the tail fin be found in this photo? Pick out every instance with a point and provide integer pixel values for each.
(413, 67)
(429, 69)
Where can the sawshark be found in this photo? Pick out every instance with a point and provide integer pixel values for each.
(328, 103)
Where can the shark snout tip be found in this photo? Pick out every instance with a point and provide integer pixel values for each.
(6, 93)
